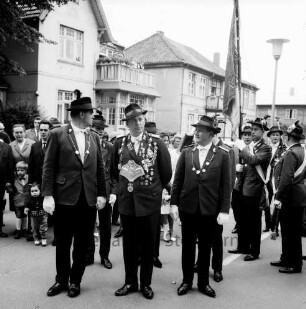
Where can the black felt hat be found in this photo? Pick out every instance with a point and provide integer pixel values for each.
(296, 131)
(81, 104)
(133, 110)
(260, 122)
(208, 122)
(275, 129)
(150, 127)
(99, 121)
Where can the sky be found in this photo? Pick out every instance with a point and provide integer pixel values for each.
(204, 25)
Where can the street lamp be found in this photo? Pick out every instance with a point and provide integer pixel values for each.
(277, 47)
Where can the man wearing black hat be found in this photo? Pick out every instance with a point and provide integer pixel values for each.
(105, 214)
(74, 185)
(202, 189)
(290, 198)
(142, 166)
(254, 191)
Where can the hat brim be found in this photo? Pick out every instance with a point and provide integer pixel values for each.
(215, 130)
(275, 131)
(80, 109)
(134, 115)
(302, 136)
(100, 126)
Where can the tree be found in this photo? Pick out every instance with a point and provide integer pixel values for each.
(14, 27)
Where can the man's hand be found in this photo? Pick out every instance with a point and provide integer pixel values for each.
(278, 204)
(112, 199)
(26, 211)
(101, 202)
(9, 187)
(222, 218)
(239, 168)
(174, 212)
(49, 204)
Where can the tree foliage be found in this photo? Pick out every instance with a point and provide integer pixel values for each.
(14, 27)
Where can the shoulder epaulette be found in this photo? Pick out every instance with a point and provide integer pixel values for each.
(154, 135)
(223, 148)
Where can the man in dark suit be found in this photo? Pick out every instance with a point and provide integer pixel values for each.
(105, 214)
(256, 161)
(7, 175)
(34, 133)
(290, 198)
(201, 189)
(142, 166)
(74, 184)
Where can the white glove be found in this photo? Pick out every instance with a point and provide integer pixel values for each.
(239, 168)
(101, 201)
(277, 204)
(222, 218)
(49, 204)
(239, 144)
(112, 199)
(174, 212)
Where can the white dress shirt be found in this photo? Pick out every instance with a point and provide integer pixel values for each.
(80, 139)
(136, 141)
(203, 151)
(274, 148)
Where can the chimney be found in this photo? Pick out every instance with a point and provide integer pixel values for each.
(217, 59)
(291, 91)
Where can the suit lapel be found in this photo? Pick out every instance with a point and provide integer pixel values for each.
(87, 145)
(210, 157)
(72, 140)
(196, 158)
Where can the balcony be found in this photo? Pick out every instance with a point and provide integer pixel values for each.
(214, 103)
(118, 72)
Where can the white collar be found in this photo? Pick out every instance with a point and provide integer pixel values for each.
(207, 147)
(78, 130)
(136, 138)
(275, 145)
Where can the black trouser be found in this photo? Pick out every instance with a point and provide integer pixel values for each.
(139, 238)
(292, 225)
(217, 248)
(196, 226)
(73, 222)
(157, 239)
(250, 230)
(2, 206)
(105, 229)
(115, 214)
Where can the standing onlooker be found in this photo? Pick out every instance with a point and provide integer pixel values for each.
(38, 215)
(33, 133)
(201, 189)
(141, 164)
(7, 175)
(5, 136)
(74, 185)
(21, 198)
(290, 198)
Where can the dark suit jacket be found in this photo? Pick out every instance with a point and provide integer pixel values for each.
(252, 184)
(291, 191)
(36, 161)
(6, 166)
(64, 174)
(22, 155)
(146, 197)
(209, 191)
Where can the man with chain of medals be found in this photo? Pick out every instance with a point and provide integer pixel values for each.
(202, 190)
(142, 166)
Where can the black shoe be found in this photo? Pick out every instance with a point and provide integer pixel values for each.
(195, 268)
(56, 288)
(89, 260)
(234, 230)
(126, 289)
(290, 270)
(147, 292)
(157, 263)
(119, 233)
(18, 234)
(279, 263)
(3, 235)
(207, 290)
(184, 288)
(74, 290)
(30, 238)
(218, 276)
(266, 230)
(236, 251)
(107, 263)
(250, 257)
(116, 223)
(304, 257)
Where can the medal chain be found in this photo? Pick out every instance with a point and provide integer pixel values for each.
(207, 163)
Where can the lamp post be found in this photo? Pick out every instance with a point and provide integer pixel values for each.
(277, 47)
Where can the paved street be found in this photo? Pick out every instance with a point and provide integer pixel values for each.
(26, 272)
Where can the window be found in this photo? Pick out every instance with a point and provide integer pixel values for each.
(121, 115)
(71, 43)
(202, 86)
(63, 102)
(138, 99)
(112, 116)
(246, 98)
(190, 121)
(291, 113)
(199, 117)
(215, 89)
(191, 83)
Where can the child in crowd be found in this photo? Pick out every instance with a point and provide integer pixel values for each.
(38, 215)
(21, 198)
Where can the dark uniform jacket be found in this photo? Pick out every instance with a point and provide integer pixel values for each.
(64, 174)
(252, 184)
(36, 161)
(291, 191)
(209, 190)
(6, 166)
(154, 157)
